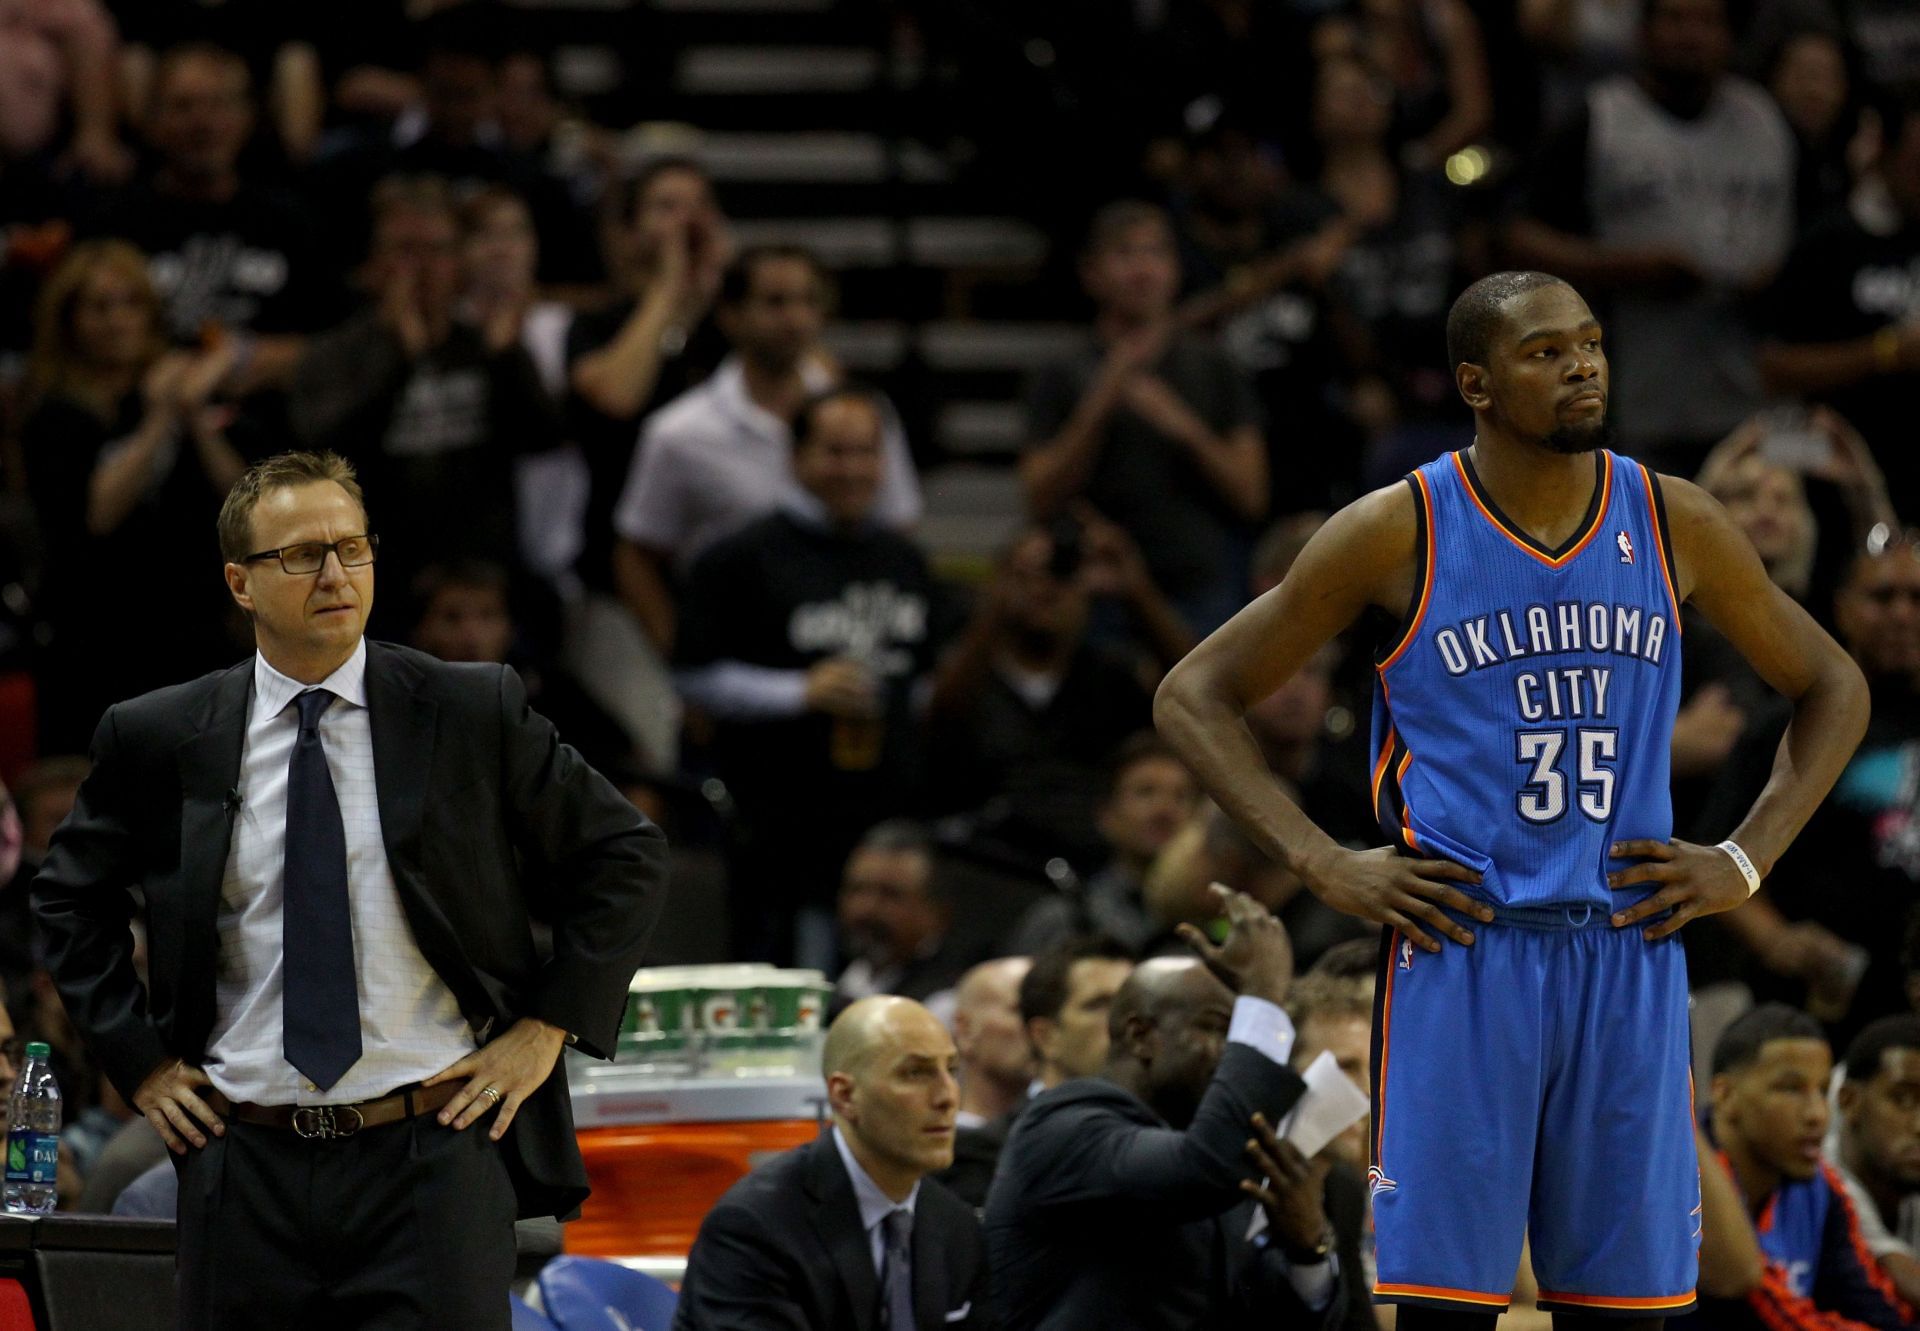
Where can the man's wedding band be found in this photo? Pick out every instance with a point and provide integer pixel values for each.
(492, 1092)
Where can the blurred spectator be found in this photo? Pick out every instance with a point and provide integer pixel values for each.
(1769, 1090)
(1809, 79)
(1887, 33)
(1026, 711)
(666, 247)
(1843, 322)
(270, 41)
(1432, 54)
(229, 257)
(1336, 1016)
(453, 132)
(719, 455)
(126, 465)
(1150, 797)
(1578, 43)
(42, 798)
(805, 635)
(1408, 247)
(895, 918)
(534, 124)
(1875, 1144)
(1064, 998)
(1672, 195)
(1064, 1002)
(1157, 429)
(848, 1230)
(1866, 835)
(996, 1062)
(1119, 1199)
(1254, 260)
(466, 614)
(499, 254)
(431, 412)
(57, 68)
(12, 1054)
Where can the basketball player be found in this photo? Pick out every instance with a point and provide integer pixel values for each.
(1532, 1077)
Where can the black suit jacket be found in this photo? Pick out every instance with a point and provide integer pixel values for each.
(487, 818)
(784, 1250)
(1101, 1215)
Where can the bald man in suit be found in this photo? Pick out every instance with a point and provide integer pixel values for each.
(848, 1233)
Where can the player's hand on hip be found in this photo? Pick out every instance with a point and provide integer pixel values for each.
(1256, 958)
(169, 1100)
(1693, 881)
(1385, 886)
(501, 1074)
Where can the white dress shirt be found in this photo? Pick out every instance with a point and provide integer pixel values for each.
(410, 1024)
(875, 1205)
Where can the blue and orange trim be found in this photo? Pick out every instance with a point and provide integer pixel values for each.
(1560, 558)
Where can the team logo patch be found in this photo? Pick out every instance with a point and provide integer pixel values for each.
(1378, 1182)
(1406, 954)
(1626, 546)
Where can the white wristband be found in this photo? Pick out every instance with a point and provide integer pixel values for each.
(1742, 863)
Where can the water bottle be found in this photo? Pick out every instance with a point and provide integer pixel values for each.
(33, 1136)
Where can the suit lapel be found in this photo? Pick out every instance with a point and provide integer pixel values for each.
(402, 721)
(208, 763)
(836, 1219)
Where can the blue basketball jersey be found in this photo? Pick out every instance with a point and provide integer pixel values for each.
(1522, 719)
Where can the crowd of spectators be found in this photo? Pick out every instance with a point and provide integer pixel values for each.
(609, 444)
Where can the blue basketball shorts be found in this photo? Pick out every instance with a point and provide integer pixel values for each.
(1538, 1084)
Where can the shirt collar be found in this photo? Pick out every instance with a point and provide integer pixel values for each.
(272, 691)
(875, 1205)
(729, 381)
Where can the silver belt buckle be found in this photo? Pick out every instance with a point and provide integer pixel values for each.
(326, 1122)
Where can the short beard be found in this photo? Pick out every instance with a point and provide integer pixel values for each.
(1580, 438)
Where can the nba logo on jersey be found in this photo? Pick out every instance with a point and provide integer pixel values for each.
(1626, 546)
(1406, 954)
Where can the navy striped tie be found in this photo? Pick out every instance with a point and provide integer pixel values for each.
(320, 1007)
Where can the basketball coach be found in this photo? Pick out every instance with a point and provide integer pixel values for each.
(348, 1036)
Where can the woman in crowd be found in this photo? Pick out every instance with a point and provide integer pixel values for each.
(127, 460)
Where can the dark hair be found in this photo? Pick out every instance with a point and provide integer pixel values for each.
(1043, 993)
(806, 420)
(623, 197)
(736, 283)
(1119, 217)
(212, 52)
(1869, 1048)
(1477, 314)
(904, 836)
(1143, 746)
(480, 575)
(279, 472)
(1740, 1044)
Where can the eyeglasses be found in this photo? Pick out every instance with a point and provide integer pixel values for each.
(308, 556)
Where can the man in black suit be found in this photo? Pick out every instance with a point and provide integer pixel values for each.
(1121, 1200)
(340, 845)
(848, 1233)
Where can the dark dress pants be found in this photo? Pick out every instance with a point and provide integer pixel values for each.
(406, 1225)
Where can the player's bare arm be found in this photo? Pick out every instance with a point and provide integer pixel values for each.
(1363, 557)
(1720, 574)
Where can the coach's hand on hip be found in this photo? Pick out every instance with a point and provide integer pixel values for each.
(501, 1074)
(1385, 886)
(1695, 881)
(167, 1099)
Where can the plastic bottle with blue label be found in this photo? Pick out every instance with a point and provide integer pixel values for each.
(33, 1136)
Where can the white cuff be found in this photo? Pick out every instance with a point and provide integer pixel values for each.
(1264, 1026)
